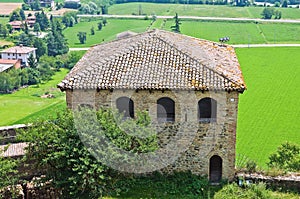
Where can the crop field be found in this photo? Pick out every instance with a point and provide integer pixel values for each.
(7, 8)
(108, 32)
(239, 33)
(269, 110)
(26, 105)
(197, 10)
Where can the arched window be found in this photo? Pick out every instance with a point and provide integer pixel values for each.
(207, 110)
(215, 169)
(165, 110)
(125, 105)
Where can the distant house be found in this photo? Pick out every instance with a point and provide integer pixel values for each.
(44, 3)
(31, 21)
(16, 25)
(6, 64)
(18, 53)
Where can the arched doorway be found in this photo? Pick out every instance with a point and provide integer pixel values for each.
(215, 169)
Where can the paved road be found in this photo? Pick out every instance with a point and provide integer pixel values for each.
(200, 18)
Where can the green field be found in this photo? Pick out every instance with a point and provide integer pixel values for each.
(108, 33)
(239, 33)
(197, 10)
(4, 20)
(26, 106)
(269, 109)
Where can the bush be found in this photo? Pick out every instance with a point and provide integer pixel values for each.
(287, 157)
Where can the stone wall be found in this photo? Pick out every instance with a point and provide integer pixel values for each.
(200, 141)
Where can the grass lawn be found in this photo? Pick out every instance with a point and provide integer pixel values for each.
(239, 33)
(108, 32)
(26, 106)
(198, 10)
(269, 109)
(4, 20)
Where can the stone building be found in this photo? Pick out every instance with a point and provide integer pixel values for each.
(189, 86)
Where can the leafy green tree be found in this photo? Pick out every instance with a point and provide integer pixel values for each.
(26, 30)
(104, 9)
(287, 157)
(284, 4)
(15, 16)
(3, 30)
(22, 14)
(25, 39)
(56, 42)
(56, 147)
(41, 47)
(92, 30)
(99, 25)
(267, 13)
(45, 71)
(33, 76)
(277, 14)
(104, 21)
(37, 28)
(36, 5)
(82, 37)
(42, 20)
(176, 27)
(8, 171)
(32, 61)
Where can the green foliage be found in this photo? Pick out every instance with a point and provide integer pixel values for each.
(157, 185)
(8, 172)
(15, 16)
(55, 145)
(284, 4)
(3, 30)
(267, 12)
(287, 157)
(104, 21)
(37, 28)
(42, 20)
(99, 25)
(82, 37)
(22, 14)
(69, 19)
(35, 5)
(232, 191)
(92, 30)
(41, 47)
(56, 42)
(32, 61)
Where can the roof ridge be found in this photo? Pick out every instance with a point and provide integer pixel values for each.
(194, 59)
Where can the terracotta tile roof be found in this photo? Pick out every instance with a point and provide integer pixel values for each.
(8, 61)
(12, 150)
(157, 59)
(19, 49)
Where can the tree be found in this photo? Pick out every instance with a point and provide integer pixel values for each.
(26, 30)
(277, 14)
(8, 171)
(56, 42)
(22, 14)
(104, 9)
(42, 20)
(92, 30)
(35, 5)
(287, 157)
(15, 16)
(176, 27)
(3, 30)
(284, 4)
(32, 61)
(104, 21)
(36, 28)
(82, 37)
(267, 13)
(56, 147)
(41, 47)
(100, 25)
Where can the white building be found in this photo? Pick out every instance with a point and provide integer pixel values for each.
(19, 53)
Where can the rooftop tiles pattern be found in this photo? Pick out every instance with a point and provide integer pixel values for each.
(160, 60)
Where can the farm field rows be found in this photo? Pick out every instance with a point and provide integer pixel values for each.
(197, 10)
(26, 105)
(239, 33)
(269, 110)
